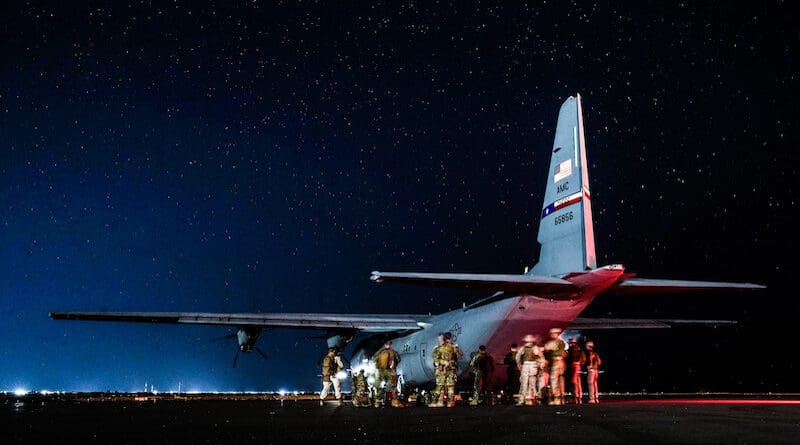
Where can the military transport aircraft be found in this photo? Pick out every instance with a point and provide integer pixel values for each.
(552, 294)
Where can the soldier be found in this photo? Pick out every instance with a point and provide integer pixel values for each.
(576, 359)
(543, 372)
(512, 373)
(331, 364)
(593, 362)
(554, 352)
(445, 358)
(527, 360)
(386, 361)
(482, 365)
(360, 390)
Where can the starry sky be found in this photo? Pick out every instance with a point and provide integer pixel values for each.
(266, 156)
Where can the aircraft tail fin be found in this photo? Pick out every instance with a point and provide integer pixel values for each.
(566, 233)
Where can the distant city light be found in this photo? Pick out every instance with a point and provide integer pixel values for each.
(19, 392)
(282, 392)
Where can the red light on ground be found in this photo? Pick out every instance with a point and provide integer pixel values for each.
(705, 402)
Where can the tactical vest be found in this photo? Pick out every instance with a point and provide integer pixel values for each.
(527, 354)
(594, 360)
(444, 355)
(554, 349)
(385, 359)
(576, 356)
(329, 366)
(483, 362)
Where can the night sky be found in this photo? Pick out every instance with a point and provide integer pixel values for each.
(265, 157)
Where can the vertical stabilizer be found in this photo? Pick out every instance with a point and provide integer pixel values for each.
(565, 229)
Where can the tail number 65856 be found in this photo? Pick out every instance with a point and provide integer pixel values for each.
(564, 217)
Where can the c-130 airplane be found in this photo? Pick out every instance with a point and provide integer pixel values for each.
(551, 295)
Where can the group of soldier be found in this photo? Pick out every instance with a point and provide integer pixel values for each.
(535, 373)
(541, 370)
(386, 361)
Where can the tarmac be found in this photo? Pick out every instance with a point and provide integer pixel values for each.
(730, 419)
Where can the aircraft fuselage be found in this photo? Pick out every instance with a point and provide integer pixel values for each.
(496, 325)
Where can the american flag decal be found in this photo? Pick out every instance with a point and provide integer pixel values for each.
(563, 170)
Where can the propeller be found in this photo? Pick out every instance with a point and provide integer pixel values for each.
(255, 348)
(245, 345)
(214, 340)
(260, 352)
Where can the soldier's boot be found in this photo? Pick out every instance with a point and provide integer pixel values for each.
(439, 401)
(451, 397)
(476, 399)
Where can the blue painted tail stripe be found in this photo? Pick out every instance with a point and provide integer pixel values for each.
(561, 203)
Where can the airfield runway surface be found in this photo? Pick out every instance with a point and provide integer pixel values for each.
(44, 420)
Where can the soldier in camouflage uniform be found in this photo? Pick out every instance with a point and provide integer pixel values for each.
(526, 360)
(482, 365)
(386, 361)
(592, 364)
(331, 364)
(512, 374)
(575, 359)
(360, 390)
(543, 372)
(554, 351)
(445, 358)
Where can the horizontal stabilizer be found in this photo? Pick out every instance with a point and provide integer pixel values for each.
(515, 284)
(649, 286)
(633, 323)
(365, 323)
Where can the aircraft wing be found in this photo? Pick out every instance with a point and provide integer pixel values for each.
(361, 322)
(648, 286)
(634, 323)
(516, 284)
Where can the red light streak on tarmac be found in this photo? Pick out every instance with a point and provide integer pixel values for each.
(703, 402)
